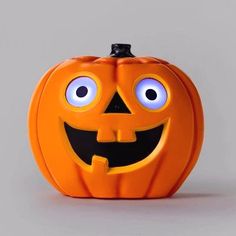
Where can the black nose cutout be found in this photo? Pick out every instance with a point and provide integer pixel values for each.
(117, 105)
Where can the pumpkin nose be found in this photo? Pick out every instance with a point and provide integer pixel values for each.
(117, 105)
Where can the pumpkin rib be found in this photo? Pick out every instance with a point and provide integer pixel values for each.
(198, 125)
(85, 58)
(148, 60)
(154, 176)
(129, 60)
(105, 60)
(33, 130)
(160, 60)
(83, 182)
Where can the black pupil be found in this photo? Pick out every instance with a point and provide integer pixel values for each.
(151, 94)
(81, 91)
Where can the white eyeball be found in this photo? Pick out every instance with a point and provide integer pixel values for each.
(151, 93)
(81, 91)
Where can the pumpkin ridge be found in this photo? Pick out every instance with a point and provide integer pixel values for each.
(85, 58)
(155, 174)
(192, 161)
(36, 124)
(79, 171)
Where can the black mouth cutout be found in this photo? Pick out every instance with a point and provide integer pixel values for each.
(85, 145)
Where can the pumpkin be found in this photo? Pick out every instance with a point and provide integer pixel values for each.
(116, 127)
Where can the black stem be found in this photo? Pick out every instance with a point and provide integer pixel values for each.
(121, 50)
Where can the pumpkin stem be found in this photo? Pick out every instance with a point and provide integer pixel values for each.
(121, 50)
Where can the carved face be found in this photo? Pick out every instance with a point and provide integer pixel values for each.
(116, 127)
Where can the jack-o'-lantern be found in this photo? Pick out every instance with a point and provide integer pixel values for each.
(116, 127)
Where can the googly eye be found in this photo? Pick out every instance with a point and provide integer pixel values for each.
(151, 93)
(81, 91)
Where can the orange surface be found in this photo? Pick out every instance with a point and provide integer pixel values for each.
(158, 175)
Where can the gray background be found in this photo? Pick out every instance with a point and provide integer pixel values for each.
(198, 36)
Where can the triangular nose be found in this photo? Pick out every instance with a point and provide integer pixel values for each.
(117, 105)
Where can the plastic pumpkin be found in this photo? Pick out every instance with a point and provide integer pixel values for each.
(116, 127)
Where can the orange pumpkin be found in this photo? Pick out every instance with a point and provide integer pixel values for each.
(116, 127)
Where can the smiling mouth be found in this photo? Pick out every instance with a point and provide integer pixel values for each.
(85, 145)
